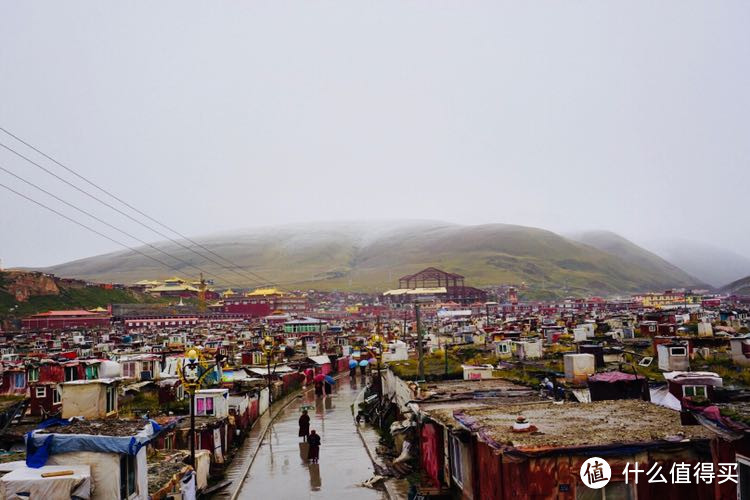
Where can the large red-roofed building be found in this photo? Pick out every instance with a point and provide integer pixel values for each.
(58, 320)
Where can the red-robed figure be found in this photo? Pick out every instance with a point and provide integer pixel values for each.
(314, 441)
(304, 425)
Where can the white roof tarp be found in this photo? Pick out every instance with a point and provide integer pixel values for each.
(26, 479)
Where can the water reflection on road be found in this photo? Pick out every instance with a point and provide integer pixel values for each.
(281, 471)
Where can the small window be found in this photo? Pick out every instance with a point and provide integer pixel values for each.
(33, 374)
(127, 476)
(56, 395)
(111, 399)
(128, 370)
(457, 472)
(677, 351)
(614, 490)
(41, 392)
(20, 380)
(694, 391)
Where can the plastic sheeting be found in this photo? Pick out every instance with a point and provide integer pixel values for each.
(662, 397)
(105, 471)
(28, 480)
(187, 486)
(39, 446)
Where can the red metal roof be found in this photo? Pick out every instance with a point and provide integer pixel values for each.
(72, 313)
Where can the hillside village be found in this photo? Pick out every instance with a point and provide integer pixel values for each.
(472, 390)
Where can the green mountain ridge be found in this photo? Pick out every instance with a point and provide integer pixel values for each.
(372, 256)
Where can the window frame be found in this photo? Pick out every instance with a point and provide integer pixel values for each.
(111, 399)
(35, 372)
(43, 390)
(602, 492)
(742, 461)
(128, 369)
(128, 476)
(682, 348)
(456, 460)
(693, 387)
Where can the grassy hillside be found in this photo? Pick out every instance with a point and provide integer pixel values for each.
(632, 254)
(371, 257)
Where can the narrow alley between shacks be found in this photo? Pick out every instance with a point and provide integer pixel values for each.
(281, 469)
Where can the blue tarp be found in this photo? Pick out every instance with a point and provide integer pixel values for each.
(53, 422)
(39, 446)
(36, 456)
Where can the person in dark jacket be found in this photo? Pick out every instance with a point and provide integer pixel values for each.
(313, 440)
(304, 425)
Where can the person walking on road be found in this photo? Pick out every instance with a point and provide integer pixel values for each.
(304, 425)
(313, 440)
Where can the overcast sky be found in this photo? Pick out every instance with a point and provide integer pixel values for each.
(629, 116)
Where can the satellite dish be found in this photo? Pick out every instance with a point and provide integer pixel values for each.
(646, 362)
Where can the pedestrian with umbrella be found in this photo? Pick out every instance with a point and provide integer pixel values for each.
(352, 368)
(363, 367)
(328, 384)
(318, 380)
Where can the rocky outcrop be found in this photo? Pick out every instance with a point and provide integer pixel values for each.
(23, 284)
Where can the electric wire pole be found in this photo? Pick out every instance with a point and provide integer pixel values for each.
(420, 349)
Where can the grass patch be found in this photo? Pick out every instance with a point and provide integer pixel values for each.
(88, 297)
(434, 367)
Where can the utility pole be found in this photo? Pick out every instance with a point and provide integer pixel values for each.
(486, 321)
(404, 335)
(420, 349)
(445, 348)
(202, 295)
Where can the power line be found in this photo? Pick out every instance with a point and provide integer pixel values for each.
(20, 155)
(89, 228)
(261, 278)
(111, 226)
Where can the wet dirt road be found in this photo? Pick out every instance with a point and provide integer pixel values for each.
(279, 470)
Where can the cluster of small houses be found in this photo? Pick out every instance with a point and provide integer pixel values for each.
(65, 381)
(63, 395)
(492, 436)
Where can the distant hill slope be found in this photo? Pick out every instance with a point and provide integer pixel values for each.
(632, 254)
(372, 256)
(738, 287)
(714, 265)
